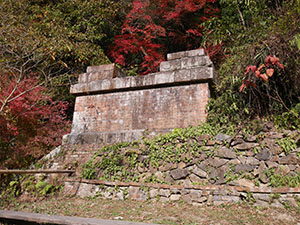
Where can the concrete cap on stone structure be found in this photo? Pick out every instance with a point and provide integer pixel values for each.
(191, 53)
(182, 67)
(198, 74)
(185, 63)
(100, 68)
(101, 72)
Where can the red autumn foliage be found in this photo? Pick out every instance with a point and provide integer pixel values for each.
(272, 60)
(155, 27)
(263, 72)
(250, 68)
(31, 123)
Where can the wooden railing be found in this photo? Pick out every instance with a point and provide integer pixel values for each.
(34, 171)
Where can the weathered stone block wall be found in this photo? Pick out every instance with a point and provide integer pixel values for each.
(111, 108)
(152, 109)
(226, 169)
(192, 194)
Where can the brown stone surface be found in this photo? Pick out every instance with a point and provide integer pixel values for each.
(178, 55)
(152, 109)
(217, 162)
(226, 153)
(137, 194)
(167, 166)
(195, 179)
(179, 173)
(101, 72)
(290, 159)
(209, 194)
(203, 137)
(265, 154)
(112, 108)
(199, 172)
(244, 183)
(243, 168)
(246, 146)
(181, 187)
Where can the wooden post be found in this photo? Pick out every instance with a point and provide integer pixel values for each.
(34, 171)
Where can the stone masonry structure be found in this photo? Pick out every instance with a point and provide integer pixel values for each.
(213, 170)
(111, 108)
(228, 169)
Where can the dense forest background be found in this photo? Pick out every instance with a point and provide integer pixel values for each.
(44, 45)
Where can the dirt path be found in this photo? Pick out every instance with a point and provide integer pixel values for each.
(157, 212)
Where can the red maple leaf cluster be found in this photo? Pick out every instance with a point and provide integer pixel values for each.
(263, 72)
(154, 27)
(31, 123)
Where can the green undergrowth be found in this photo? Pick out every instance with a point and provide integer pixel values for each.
(275, 179)
(30, 186)
(280, 180)
(269, 28)
(119, 161)
(139, 161)
(287, 144)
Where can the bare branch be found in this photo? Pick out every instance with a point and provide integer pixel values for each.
(241, 16)
(7, 100)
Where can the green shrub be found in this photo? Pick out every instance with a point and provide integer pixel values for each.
(250, 31)
(279, 180)
(289, 119)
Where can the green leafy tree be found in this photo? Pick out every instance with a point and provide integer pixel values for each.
(43, 46)
(69, 35)
(251, 31)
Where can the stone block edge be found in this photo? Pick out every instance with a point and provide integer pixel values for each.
(199, 74)
(196, 187)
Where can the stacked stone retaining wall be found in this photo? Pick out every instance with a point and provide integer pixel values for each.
(112, 108)
(192, 194)
(227, 169)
